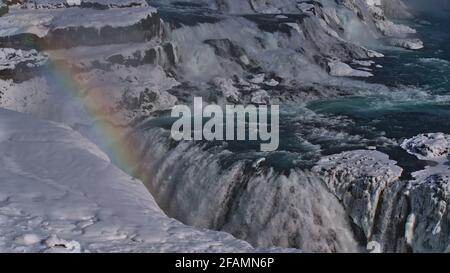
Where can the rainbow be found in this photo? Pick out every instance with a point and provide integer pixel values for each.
(120, 149)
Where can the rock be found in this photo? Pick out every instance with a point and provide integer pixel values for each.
(358, 178)
(227, 89)
(97, 4)
(428, 222)
(225, 48)
(428, 146)
(28, 239)
(20, 65)
(58, 245)
(272, 83)
(340, 69)
(365, 63)
(258, 79)
(69, 27)
(413, 44)
(429, 219)
(260, 97)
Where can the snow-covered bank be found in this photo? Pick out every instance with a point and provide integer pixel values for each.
(59, 192)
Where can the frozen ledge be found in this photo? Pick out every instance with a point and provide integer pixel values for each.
(42, 21)
(60, 193)
(358, 178)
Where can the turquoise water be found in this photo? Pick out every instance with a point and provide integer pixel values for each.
(418, 102)
(421, 102)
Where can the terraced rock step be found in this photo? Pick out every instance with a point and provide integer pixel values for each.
(74, 26)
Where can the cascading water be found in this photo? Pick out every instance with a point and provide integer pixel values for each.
(209, 187)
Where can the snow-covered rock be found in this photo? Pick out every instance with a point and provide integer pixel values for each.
(358, 178)
(10, 58)
(260, 97)
(429, 194)
(227, 89)
(341, 69)
(98, 4)
(428, 146)
(127, 92)
(429, 218)
(413, 44)
(67, 27)
(20, 64)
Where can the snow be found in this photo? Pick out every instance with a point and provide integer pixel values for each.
(428, 223)
(341, 69)
(10, 58)
(60, 193)
(53, 4)
(430, 146)
(41, 21)
(358, 178)
(126, 85)
(364, 63)
(413, 44)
